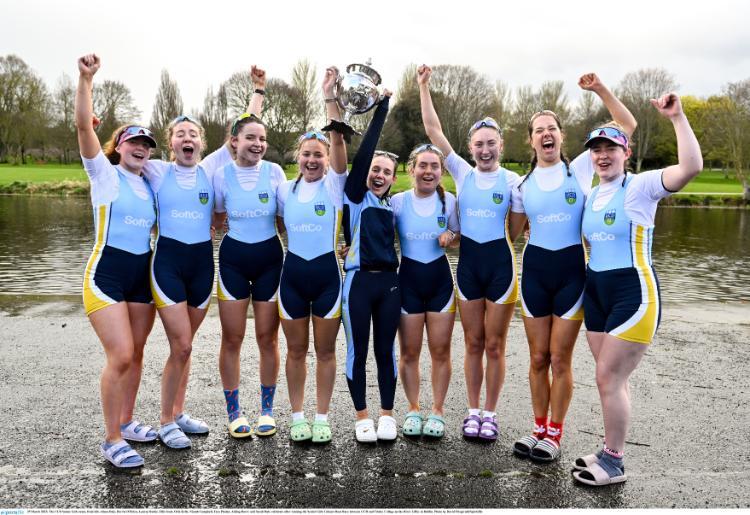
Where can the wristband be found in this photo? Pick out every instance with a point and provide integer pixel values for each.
(329, 100)
(260, 91)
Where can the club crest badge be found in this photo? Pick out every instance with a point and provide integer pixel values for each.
(320, 209)
(203, 196)
(609, 217)
(497, 197)
(570, 197)
(263, 197)
(441, 222)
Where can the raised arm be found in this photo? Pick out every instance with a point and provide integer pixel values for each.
(429, 116)
(338, 145)
(258, 76)
(89, 144)
(356, 183)
(689, 158)
(617, 110)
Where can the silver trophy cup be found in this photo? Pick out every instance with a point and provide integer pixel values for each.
(357, 91)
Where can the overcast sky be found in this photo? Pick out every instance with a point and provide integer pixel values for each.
(704, 45)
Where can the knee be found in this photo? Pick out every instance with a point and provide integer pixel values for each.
(561, 364)
(119, 362)
(267, 341)
(326, 355)
(474, 344)
(181, 351)
(231, 341)
(495, 348)
(441, 355)
(605, 381)
(409, 356)
(296, 352)
(540, 362)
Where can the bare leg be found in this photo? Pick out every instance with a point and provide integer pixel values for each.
(325, 331)
(472, 320)
(141, 322)
(439, 333)
(497, 320)
(410, 334)
(297, 333)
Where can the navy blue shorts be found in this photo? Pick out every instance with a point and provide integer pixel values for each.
(552, 282)
(426, 286)
(114, 275)
(624, 302)
(487, 271)
(310, 287)
(249, 269)
(182, 272)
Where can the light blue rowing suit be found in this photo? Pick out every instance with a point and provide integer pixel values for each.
(251, 214)
(185, 214)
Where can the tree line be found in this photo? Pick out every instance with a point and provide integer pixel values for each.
(33, 116)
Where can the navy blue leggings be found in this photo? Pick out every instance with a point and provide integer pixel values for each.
(371, 296)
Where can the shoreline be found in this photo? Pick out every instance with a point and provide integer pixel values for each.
(81, 189)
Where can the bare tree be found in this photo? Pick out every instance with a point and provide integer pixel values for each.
(23, 107)
(214, 118)
(635, 91)
(63, 107)
(729, 123)
(282, 117)
(465, 97)
(167, 106)
(114, 105)
(239, 89)
(305, 81)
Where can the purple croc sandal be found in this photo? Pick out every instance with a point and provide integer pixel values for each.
(488, 431)
(471, 426)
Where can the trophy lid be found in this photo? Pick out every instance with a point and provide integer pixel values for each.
(365, 69)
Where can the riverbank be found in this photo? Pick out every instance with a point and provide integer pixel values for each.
(690, 396)
(81, 189)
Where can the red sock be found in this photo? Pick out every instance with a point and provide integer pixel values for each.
(540, 427)
(554, 431)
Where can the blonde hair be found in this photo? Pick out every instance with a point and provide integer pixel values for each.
(170, 131)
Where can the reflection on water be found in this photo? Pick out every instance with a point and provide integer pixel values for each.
(699, 254)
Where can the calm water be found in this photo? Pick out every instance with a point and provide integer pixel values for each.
(699, 254)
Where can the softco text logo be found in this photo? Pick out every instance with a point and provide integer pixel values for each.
(421, 235)
(480, 213)
(601, 236)
(553, 218)
(305, 227)
(193, 215)
(138, 222)
(250, 213)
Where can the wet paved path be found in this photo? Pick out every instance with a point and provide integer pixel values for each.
(690, 396)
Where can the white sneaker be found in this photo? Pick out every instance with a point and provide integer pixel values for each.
(387, 429)
(365, 430)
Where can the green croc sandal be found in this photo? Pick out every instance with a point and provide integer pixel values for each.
(321, 431)
(412, 424)
(434, 427)
(300, 431)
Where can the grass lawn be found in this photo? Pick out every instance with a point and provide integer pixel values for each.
(706, 182)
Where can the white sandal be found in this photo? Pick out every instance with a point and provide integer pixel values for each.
(365, 431)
